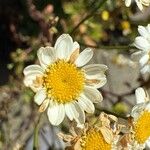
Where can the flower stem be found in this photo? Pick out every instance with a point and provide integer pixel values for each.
(36, 135)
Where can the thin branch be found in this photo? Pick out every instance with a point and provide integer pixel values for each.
(118, 47)
(91, 14)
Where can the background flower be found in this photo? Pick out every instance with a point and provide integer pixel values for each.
(142, 42)
(141, 118)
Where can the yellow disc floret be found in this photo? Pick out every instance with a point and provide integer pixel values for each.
(63, 81)
(142, 127)
(94, 140)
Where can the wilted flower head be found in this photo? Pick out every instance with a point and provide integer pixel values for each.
(99, 136)
(142, 42)
(63, 83)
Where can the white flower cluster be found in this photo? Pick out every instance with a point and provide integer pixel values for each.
(140, 3)
(142, 42)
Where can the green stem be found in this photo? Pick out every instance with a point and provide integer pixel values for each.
(36, 135)
(88, 16)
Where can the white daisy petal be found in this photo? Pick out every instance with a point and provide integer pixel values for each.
(143, 103)
(81, 118)
(29, 83)
(86, 104)
(127, 3)
(139, 4)
(137, 109)
(44, 105)
(142, 43)
(145, 69)
(94, 69)
(63, 46)
(84, 57)
(56, 114)
(74, 53)
(71, 111)
(95, 72)
(148, 28)
(147, 107)
(40, 96)
(75, 46)
(96, 81)
(144, 60)
(30, 78)
(93, 94)
(143, 31)
(137, 55)
(32, 69)
(140, 95)
(148, 144)
(46, 56)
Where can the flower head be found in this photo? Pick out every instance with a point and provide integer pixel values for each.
(62, 82)
(142, 42)
(141, 117)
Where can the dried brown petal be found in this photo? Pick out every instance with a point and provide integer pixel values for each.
(147, 96)
(107, 134)
(130, 121)
(104, 120)
(44, 105)
(114, 118)
(77, 145)
(66, 138)
(90, 81)
(74, 56)
(125, 140)
(38, 81)
(72, 131)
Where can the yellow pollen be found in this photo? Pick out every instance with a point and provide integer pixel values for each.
(94, 140)
(142, 127)
(63, 81)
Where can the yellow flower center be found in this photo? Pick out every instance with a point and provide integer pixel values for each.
(142, 127)
(94, 140)
(63, 81)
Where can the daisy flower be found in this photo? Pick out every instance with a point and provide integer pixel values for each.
(62, 82)
(141, 118)
(140, 3)
(98, 136)
(142, 42)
